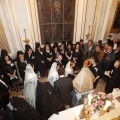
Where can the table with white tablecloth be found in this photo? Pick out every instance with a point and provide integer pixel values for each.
(70, 114)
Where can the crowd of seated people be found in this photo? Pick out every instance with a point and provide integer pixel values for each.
(58, 63)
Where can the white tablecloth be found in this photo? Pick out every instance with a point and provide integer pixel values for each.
(70, 114)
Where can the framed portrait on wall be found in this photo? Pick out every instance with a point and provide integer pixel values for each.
(116, 22)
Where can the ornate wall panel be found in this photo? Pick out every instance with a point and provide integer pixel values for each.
(3, 39)
(56, 19)
(110, 18)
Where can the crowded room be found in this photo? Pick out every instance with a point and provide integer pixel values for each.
(59, 59)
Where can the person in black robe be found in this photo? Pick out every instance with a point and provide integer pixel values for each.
(56, 51)
(62, 52)
(77, 56)
(47, 102)
(96, 70)
(5, 78)
(10, 70)
(4, 115)
(24, 110)
(27, 46)
(4, 97)
(3, 54)
(117, 53)
(69, 52)
(39, 58)
(113, 80)
(48, 56)
(21, 64)
(30, 57)
(81, 45)
(1, 73)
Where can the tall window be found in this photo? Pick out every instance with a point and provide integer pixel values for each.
(56, 19)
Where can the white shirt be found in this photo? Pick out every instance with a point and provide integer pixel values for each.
(3, 83)
(62, 76)
(115, 46)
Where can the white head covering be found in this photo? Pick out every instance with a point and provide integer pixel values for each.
(53, 74)
(30, 84)
(68, 69)
(30, 74)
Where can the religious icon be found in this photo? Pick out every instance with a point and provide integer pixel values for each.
(57, 14)
(56, 19)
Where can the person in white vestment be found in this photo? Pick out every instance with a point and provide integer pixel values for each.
(53, 73)
(69, 68)
(83, 82)
(30, 84)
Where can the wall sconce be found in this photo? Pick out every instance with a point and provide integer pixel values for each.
(88, 34)
(26, 39)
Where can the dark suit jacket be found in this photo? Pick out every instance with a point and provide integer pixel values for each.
(4, 96)
(115, 77)
(117, 56)
(30, 59)
(110, 42)
(111, 57)
(82, 47)
(89, 53)
(63, 87)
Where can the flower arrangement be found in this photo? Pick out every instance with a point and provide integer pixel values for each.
(87, 63)
(99, 103)
(99, 100)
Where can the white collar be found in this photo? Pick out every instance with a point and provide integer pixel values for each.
(3, 83)
(62, 76)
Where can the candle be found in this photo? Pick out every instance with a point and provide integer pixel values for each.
(108, 103)
(89, 99)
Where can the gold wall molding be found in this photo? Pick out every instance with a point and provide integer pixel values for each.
(6, 22)
(110, 18)
(3, 39)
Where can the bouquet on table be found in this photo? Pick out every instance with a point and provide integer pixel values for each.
(96, 103)
(99, 100)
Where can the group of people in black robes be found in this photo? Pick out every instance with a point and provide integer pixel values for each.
(42, 59)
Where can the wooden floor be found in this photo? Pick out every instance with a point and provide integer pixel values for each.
(100, 87)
